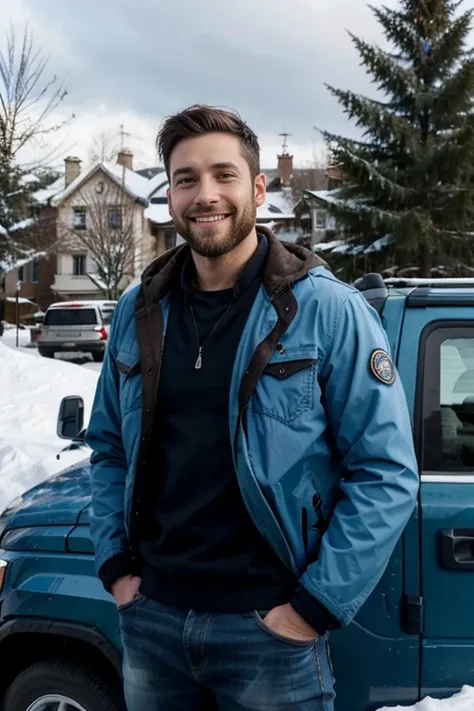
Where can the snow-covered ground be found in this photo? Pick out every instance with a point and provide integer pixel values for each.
(24, 342)
(31, 389)
(464, 701)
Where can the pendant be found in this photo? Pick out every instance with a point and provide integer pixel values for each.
(198, 365)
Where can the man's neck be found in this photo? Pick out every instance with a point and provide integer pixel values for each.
(221, 273)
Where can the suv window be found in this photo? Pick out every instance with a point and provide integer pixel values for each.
(70, 317)
(448, 400)
(107, 315)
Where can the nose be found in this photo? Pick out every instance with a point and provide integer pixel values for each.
(207, 193)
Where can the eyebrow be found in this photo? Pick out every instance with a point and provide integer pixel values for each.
(186, 170)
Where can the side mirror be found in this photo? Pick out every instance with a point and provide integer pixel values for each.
(71, 417)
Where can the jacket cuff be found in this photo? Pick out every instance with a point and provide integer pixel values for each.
(313, 612)
(117, 567)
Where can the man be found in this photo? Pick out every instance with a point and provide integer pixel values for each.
(253, 465)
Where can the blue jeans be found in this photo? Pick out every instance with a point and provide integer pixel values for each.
(194, 661)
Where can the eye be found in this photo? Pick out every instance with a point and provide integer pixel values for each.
(185, 181)
(226, 176)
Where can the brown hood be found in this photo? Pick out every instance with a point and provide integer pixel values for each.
(286, 264)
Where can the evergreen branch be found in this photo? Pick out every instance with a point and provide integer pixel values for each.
(451, 43)
(456, 94)
(389, 75)
(375, 117)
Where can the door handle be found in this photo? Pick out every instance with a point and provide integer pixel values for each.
(457, 548)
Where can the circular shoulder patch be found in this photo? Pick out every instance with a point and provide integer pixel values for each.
(381, 366)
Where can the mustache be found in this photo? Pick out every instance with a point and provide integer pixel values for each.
(209, 212)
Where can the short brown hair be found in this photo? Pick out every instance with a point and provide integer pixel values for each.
(200, 119)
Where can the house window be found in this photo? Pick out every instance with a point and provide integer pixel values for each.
(79, 264)
(321, 219)
(79, 218)
(115, 218)
(21, 274)
(34, 272)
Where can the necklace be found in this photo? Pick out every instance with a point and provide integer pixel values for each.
(198, 364)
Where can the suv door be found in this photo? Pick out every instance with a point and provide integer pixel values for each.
(446, 446)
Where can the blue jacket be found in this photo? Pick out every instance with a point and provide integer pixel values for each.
(319, 425)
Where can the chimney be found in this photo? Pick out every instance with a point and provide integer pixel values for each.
(125, 158)
(285, 163)
(72, 169)
(285, 170)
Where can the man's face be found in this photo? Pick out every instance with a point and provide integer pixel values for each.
(212, 197)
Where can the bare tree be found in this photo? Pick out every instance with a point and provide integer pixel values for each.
(104, 147)
(27, 101)
(103, 224)
(27, 97)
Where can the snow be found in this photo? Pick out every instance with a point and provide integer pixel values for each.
(158, 186)
(12, 264)
(43, 195)
(135, 184)
(22, 225)
(31, 389)
(463, 701)
(159, 214)
(21, 300)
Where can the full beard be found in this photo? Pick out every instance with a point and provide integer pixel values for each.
(217, 240)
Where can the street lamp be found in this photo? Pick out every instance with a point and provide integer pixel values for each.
(19, 284)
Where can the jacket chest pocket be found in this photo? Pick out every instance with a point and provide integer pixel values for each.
(130, 382)
(287, 386)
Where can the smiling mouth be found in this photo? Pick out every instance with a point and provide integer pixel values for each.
(209, 220)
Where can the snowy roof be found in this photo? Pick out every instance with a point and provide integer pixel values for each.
(269, 212)
(281, 199)
(29, 179)
(44, 195)
(136, 185)
(158, 213)
(333, 197)
(158, 185)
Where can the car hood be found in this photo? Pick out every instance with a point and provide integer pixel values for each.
(59, 500)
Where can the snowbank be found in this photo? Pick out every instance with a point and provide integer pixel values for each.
(31, 389)
(464, 701)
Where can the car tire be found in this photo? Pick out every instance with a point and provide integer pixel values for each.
(66, 680)
(46, 352)
(98, 356)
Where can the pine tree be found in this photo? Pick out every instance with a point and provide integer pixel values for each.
(409, 180)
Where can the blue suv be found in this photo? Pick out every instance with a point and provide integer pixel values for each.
(59, 630)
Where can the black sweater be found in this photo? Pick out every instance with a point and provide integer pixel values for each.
(200, 548)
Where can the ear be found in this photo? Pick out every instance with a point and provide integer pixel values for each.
(260, 189)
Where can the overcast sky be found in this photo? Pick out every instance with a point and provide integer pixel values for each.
(136, 61)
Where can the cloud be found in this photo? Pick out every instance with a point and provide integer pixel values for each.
(136, 61)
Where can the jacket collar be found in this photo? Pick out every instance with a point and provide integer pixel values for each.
(286, 264)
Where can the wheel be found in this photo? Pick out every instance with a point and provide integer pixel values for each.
(98, 356)
(46, 352)
(57, 685)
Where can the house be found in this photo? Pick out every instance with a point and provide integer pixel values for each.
(107, 194)
(32, 273)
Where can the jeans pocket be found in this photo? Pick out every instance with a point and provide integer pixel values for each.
(328, 652)
(131, 603)
(279, 637)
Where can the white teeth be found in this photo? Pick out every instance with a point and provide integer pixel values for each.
(215, 218)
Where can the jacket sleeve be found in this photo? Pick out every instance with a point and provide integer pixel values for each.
(108, 473)
(370, 423)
